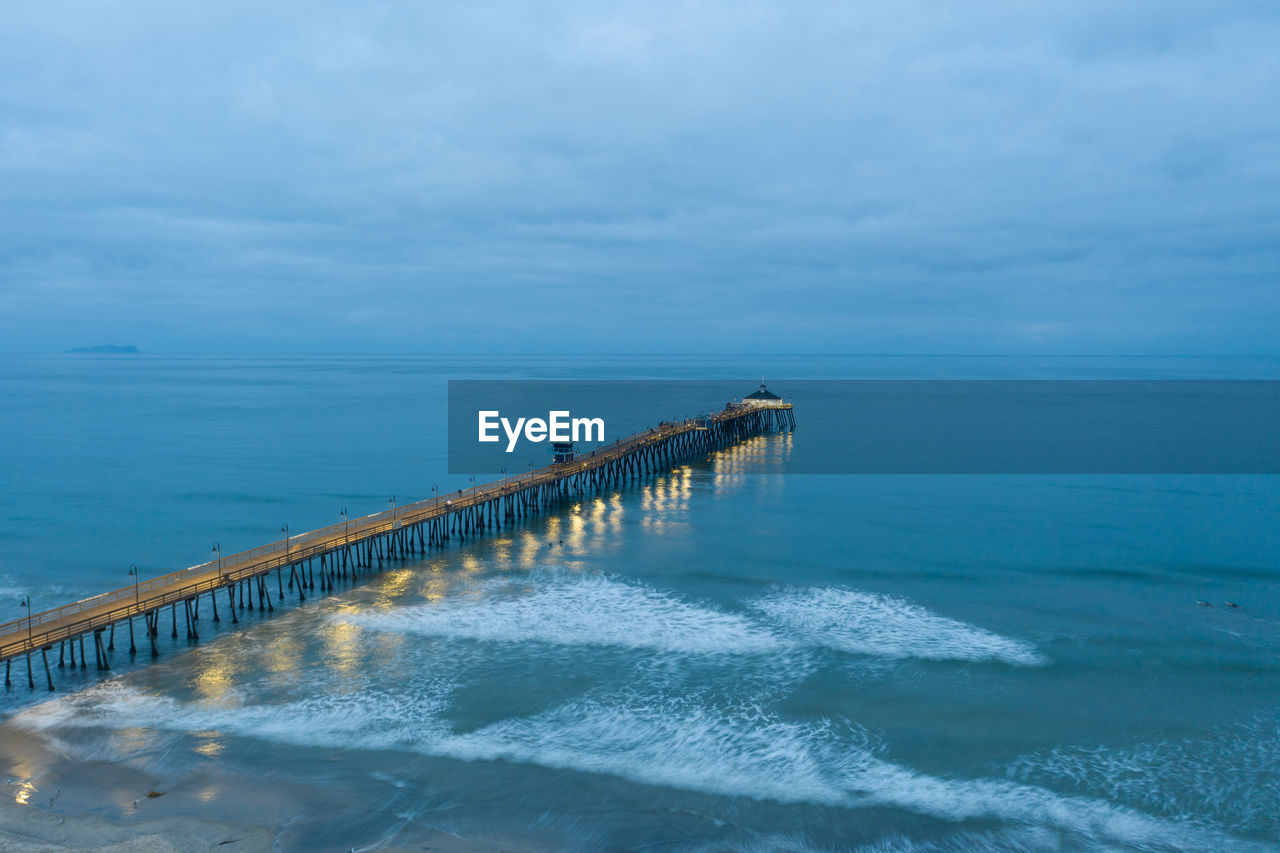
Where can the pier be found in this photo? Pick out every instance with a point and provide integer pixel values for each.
(357, 547)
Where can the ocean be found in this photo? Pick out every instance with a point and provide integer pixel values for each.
(717, 658)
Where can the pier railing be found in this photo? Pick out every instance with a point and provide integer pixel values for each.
(40, 629)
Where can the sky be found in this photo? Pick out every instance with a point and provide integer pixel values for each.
(787, 177)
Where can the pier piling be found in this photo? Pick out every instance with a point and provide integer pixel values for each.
(370, 543)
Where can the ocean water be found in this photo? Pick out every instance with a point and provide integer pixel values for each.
(713, 659)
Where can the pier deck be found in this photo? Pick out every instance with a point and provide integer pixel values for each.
(343, 550)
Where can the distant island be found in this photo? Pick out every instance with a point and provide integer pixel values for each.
(106, 348)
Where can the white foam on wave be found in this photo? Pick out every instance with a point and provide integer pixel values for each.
(573, 609)
(380, 719)
(752, 754)
(746, 753)
(737, 752)
(1022, 839)
(1231, 776)
(885, 626)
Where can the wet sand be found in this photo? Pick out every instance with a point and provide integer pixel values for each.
(51, 801)
(31, 829)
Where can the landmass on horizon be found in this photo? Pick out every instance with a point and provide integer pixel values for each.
(112, 348)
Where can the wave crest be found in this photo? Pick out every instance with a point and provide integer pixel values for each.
(885, 626)
(572, 610)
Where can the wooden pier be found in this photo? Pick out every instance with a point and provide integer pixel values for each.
(343, 552)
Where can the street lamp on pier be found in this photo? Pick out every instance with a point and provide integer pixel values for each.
(133, 570)
(26, 602)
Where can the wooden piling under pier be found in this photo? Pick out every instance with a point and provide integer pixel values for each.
(340, 551)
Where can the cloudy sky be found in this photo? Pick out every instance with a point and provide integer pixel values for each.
(979, 177)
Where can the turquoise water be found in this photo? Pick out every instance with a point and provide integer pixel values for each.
(715, 659)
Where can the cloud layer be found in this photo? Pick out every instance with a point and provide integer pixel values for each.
(701, 176)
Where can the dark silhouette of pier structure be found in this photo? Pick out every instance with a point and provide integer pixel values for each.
(360, 546)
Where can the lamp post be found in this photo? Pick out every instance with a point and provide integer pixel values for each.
(284, 528)
(472, 478)
(392, 501)
(346, 522)
(31, 682)
(217, 547)
(133, 570)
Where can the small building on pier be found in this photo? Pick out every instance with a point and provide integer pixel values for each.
(762, 399)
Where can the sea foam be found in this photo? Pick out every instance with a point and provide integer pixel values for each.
(885, 626)
(1231, 776)
(679, 743)
(578, 609)
(750, 753)
(379, 719)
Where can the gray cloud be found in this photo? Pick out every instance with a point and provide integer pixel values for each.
(983, 177)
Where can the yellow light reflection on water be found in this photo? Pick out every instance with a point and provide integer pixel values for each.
(435, 589)
(502, 552)
(132, 740)
(614, 517)
(282, 653)
(341, 642)
(214, 682)
(530, 545)
(23, 795)
(211, 744)
(395, 582)
(577, 534)
(666, 499)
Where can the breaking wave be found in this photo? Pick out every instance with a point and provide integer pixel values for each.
(378, 717)
(885, 626)
(571, 609)
(1231, 777)
(574, 609)
(735, 752)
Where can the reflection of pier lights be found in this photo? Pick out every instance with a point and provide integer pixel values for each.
(607, 472)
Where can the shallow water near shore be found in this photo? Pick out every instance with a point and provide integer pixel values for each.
(711, 659)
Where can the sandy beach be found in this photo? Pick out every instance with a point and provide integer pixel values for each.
(30, 829)
(50, 803)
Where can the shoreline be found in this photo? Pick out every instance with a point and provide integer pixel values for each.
(81, 813)
(52, 802)
(32, 829)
